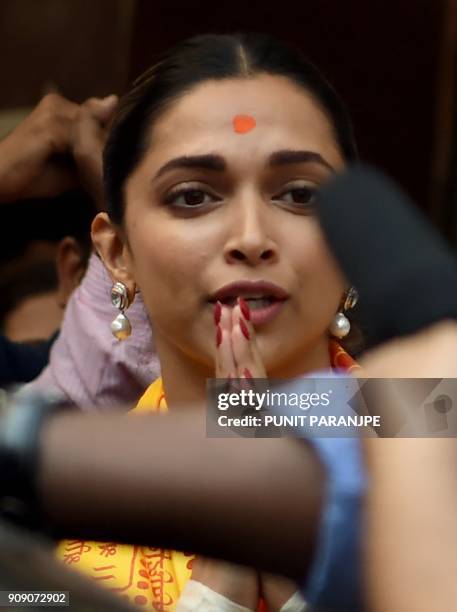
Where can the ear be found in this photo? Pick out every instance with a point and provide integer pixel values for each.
(70, 269)
(113, 249)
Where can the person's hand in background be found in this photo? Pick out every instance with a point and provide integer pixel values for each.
(236, 583)
(281, 594)
(54, 149)
(429, 353)
(90, 130)
(412, 502)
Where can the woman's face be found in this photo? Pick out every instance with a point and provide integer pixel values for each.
(222, 205)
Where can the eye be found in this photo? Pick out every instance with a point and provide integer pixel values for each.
(190, 197)
(298, 195)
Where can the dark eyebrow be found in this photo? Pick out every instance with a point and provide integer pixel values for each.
(206, 162)
(280, 158)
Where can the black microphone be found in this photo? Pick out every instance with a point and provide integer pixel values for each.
(405, 273)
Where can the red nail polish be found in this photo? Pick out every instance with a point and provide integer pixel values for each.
(218, 336)
(217, 313)
(244, 309)
(244, 329)
(244, 384)
(247, 373)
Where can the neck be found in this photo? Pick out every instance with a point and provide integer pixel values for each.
(184, 380)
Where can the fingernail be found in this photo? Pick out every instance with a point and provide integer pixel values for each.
(244, 309)
(247, 373)
(218, 336)
(244, 329)
(217, 313)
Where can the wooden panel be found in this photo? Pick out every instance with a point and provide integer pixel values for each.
(79, 46)
(443, 185)
(385, 58)
(382, 57)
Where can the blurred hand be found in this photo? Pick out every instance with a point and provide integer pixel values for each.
(90, 131)
(40, 157)
(277, 591)
(237, 583)
(430, 353)
(411, 504)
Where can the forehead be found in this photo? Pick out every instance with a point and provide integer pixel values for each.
(285, 115)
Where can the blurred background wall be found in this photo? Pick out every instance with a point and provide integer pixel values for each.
(393, 61)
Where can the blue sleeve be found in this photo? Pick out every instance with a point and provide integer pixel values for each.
(334, 581)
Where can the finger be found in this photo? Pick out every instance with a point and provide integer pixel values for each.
(35, 154)
(242, 344)
(225, 363)
(52, 121)
(246, 353)
(57, 106)
(102, 108)
(88, 141)
(278, 592)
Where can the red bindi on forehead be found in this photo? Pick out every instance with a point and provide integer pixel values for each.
(242, 124)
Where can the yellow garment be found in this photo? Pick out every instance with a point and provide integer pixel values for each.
(143, 575)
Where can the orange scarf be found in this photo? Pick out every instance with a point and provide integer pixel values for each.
(144, 575)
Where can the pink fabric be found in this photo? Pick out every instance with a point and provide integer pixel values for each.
(88, 366)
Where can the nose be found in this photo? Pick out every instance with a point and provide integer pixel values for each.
(250, 238)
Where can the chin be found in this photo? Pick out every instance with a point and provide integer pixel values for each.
(292, 357)
(269, 352)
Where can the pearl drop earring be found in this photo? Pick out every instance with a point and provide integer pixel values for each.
(341, 326)
(120, 326)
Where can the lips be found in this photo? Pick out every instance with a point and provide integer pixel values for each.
(264, 299)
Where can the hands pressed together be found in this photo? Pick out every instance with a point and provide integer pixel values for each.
(245, 588)
(238, 357)
(237, 353)
(58, 147)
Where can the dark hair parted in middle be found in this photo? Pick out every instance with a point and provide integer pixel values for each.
(199, 59)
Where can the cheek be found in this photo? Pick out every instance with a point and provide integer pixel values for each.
(169, 265)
